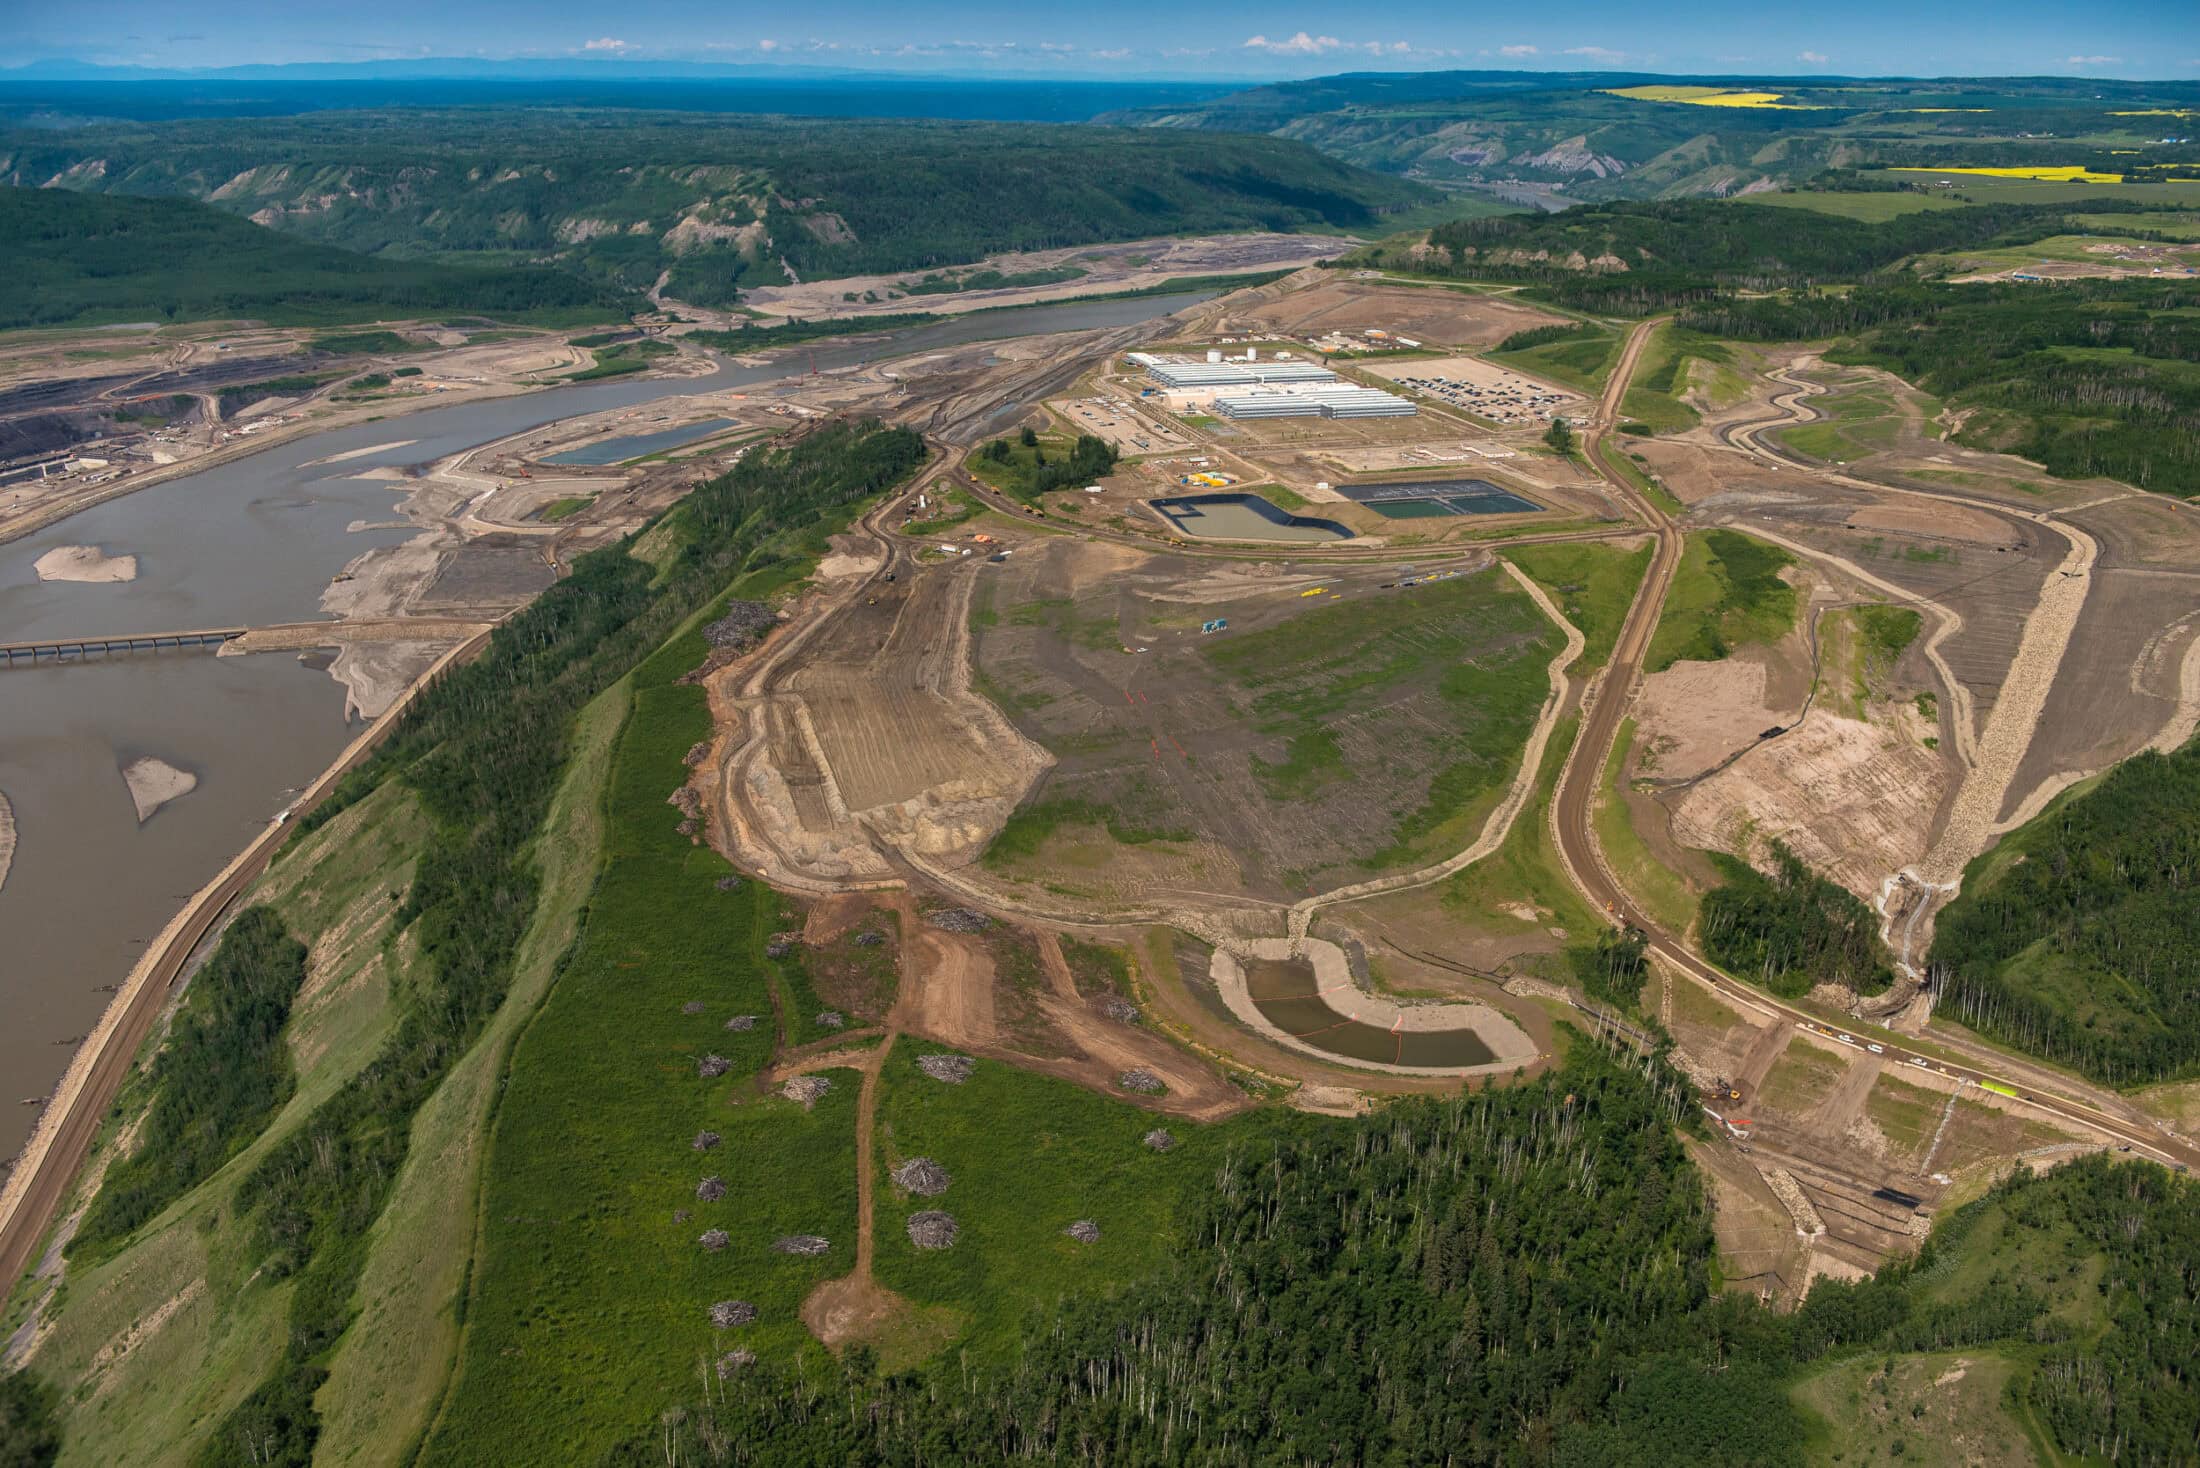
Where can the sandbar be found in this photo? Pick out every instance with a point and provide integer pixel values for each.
(84, 563)
(155, 782)
(7, 837)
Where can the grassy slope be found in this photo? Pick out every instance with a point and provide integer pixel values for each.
(1526, 867)
(1657, 394)
(1582, 363)
(1863, 1406)
(390, 1370)
(152, 1403)
(589, 1300)
(1029, 1155)
(1663, 892)
(1728, 592)
(1593, 584)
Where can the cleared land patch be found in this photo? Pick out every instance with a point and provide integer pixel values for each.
(1029, 1155)
(594, 1282)
(1335, 727)
(1728, 591)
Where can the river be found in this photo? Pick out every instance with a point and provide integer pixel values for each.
(253, 541)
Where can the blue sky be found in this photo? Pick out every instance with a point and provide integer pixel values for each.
(2157, 39)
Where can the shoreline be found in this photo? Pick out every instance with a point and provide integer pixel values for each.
(129, 1009)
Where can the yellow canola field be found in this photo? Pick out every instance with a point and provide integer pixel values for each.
(1709, 97)
(2049, 174)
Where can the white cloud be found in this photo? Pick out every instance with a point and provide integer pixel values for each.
(2091, 60)
(767, 45)
(1301, 44)
(1815, 58)
(1056, 46)
(1517, 51)
(1598, 53)
(604, 43)
(1119, 53)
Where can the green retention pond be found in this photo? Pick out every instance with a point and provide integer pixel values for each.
(1289, 997)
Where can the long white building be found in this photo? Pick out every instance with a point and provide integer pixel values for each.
(1235, 374)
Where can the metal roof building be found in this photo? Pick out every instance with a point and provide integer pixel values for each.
(1341, 401)
(1236, 374)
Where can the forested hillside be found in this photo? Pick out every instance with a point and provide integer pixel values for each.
(2078, 938)
(1591, 136)
(77, 259)
(2085, 377)
(623, 197)
(1522, 1276)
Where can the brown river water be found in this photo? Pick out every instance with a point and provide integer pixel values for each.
(251, 542)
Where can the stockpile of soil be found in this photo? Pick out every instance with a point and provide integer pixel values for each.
(809, 1090)
(953, 1069)
(780, 945)
(831, 1019)
(711, 1067)
(1084, 1230)
(729, 884)
(693, 1006)
(727, 1314)
(713, 1240)
(805, 1244)
(1159, 1140)
(869, 939)
(711, 1189)
(697, 752)
(741, 1022)
(1142, 1080)
(734, 1361)
(933, 1229)
(959, 920)
(922, 1176)
(1119, 1009)
(704, 1141)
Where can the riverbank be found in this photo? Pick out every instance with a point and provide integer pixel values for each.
(46, 1169)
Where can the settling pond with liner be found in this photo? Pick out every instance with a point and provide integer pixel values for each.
(1289, 997)
(1242, 517)
(1429, 498)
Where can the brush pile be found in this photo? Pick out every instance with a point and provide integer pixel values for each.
(953, 1069)
(922, 1176)
(933, 1229)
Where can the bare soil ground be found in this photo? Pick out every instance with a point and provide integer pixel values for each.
(1165, 769)
(1449, 318)
(1129, 265)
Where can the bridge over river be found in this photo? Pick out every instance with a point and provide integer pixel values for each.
(275, 637)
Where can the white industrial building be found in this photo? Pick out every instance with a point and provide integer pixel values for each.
(1234, 374)
(1343, 400)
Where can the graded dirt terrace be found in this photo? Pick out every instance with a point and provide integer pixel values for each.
(1297, 747)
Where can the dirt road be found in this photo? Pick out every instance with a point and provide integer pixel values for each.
(1572, 817)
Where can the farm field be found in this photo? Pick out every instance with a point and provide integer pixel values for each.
(1336, 728)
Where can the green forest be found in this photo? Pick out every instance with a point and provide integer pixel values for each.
(1792, 929)
(618, 197)
(1521, 1276)
(483, 750)
(2075, 938)
(83, 260)
(2087, 377)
